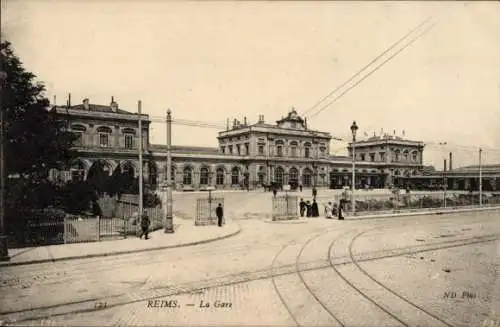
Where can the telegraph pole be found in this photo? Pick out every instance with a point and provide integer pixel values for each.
(480, 178)
(4, 249)
(169, 221)
(139, 107)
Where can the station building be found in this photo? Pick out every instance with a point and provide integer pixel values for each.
(286, 151)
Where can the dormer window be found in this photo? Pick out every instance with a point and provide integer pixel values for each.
(294, 124)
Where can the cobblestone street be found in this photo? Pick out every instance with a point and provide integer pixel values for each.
(428, 271)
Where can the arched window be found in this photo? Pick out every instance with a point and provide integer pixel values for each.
(204, 176)
(307, 177)
(396, 155)
(188, 176)
(414, 156)
(104, 136)
(128, 169)
(406, 155)
(220, 176)
(279, 175)
(235, 176)
(294, 175)
(77, 171)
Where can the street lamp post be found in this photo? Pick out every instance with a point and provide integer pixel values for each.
(4, 249)
(354, 128)
(140, 149)
(480, 178)
(169, 222)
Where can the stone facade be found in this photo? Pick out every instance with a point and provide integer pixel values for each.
(247, 154)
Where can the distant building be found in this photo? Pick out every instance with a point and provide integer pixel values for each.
(286, 152)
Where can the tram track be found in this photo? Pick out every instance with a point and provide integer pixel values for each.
(274, 272)
(416, 306)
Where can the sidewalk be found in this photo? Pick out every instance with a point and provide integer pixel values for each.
(186, 234)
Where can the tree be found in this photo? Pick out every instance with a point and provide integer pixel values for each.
(35, 141)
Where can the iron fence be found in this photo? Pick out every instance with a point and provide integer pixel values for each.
(205, 211)
(52, 226)
(408, 202)
(285, 207)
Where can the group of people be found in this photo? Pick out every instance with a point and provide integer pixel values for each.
(331, 210)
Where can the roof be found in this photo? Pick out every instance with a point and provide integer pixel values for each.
(385, 137)
(292, 116)
(100, 108)
(475, 168)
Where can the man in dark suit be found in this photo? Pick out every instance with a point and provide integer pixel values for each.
(220, 214)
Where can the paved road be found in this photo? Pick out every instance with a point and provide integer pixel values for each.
(278, 274)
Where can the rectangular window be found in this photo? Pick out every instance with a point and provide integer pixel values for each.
(103, 139)
(261, 150)
(230, 149)
(382, 156)
(293, 151)
(362, 156)
(247, 149)
(322, 152)
(79, 139)
(129, 141)
(372, 157)
(238, 149)
(307, 152)
(280, 151)
(222, 149)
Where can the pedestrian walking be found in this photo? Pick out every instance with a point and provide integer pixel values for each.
(275, 191)
(300, 187)
(144, 225)
(302, 206)
(220, 214)
(314, 192)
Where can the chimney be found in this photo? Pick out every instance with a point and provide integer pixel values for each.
(234, 123)
(227, 124)
(245, 121)
(114, 106)
(112, 99)
(54, 100)
(451, 158)
(86, 103)
(69, 99)
(305, 122)
(444, 165)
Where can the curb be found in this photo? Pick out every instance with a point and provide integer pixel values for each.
(110, 254)
(286, 221)
(421, 213)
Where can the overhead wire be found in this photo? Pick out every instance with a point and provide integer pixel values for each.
(368, 65)
(413, 40)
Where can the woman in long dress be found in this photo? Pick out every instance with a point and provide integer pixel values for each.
(328, 210)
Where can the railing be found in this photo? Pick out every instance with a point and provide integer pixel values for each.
(407, 202)
(50, 227)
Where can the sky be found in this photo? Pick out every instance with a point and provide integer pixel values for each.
(210, 61)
